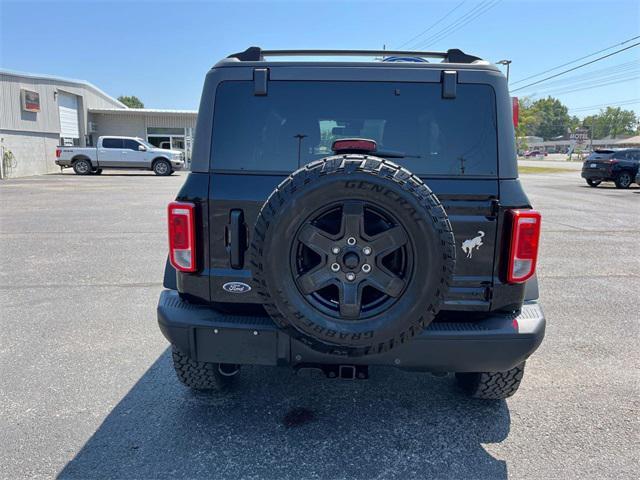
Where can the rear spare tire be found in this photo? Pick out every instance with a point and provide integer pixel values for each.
(352, 255)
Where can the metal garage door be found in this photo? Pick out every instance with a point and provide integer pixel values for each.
(68, 109)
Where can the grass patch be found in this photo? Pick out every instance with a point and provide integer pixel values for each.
(526, 169)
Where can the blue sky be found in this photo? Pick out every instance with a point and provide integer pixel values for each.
(160, 51)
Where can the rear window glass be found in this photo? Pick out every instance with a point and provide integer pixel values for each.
(599, 155)
(297, 122)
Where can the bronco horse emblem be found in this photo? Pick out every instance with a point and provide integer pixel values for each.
(475, 242)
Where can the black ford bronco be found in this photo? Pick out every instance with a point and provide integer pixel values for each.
(343, 214)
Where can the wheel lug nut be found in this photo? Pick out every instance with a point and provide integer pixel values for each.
(351, 241)
(366, 250)
(351, 276)
(366, 268)
(335, 267)
(335, 250)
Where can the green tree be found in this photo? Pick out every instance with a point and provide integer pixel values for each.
(574, 123)
(612, 121)
(527, 121)
(551, 118)
(131, 101)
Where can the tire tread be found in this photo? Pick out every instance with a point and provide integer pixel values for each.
(492, 385)
(199, 375)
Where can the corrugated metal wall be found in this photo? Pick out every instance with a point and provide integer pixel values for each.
(12, 117)
(135, 124)
(114, 124)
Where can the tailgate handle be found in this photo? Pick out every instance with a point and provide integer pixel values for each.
(237, 238)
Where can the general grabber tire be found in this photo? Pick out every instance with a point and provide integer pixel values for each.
(491, 385)
(352, 255)
(203, 375)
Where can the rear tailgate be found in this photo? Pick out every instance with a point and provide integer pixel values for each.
(450, 143)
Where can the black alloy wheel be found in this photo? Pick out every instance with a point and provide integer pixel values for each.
(352, 260)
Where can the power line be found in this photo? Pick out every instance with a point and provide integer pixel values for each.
(577, 67)
(594, 74)
(631, 73)
(606, 84)
(479, 13)
(574, 61)
(610, 104)
(433, 25)
(455, 22)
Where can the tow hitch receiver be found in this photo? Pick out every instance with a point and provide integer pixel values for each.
(345, 372)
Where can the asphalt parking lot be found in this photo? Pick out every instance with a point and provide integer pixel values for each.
(88, 391)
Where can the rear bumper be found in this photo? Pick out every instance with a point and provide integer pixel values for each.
(496, 343)
(596, 175)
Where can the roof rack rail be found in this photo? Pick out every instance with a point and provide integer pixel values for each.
(256, 54)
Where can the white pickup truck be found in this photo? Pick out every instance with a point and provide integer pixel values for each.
(120, 153)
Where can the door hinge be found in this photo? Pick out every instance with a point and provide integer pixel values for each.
(449, 83)
(495, 207)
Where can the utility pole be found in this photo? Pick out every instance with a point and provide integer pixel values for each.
(507, 63)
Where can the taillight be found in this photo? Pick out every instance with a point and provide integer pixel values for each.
(182, 240)
(58, 152)
(515, 111)
(523, 249)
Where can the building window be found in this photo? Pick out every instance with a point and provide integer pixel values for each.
(164, 131)
(69, 142)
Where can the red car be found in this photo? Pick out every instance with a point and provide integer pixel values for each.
(535, 153)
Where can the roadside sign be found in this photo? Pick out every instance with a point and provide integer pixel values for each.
(580, 136)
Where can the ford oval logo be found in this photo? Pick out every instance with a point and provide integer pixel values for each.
(236, 287)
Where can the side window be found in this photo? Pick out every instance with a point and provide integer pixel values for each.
(131, 144)
(111, 143)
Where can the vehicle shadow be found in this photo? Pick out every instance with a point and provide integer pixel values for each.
(611, 187)
(132, 173)
(274, 424)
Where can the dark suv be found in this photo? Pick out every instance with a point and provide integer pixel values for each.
(619, 166)
(342, 214)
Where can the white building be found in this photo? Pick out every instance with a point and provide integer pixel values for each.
(40, 112)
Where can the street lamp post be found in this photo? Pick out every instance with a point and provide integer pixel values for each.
(507, 63)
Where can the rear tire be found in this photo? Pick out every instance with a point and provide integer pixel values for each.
(203, 375)
(82, 167)
(162, 168)
(593, 183)
(491, 385)
(623, 180)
